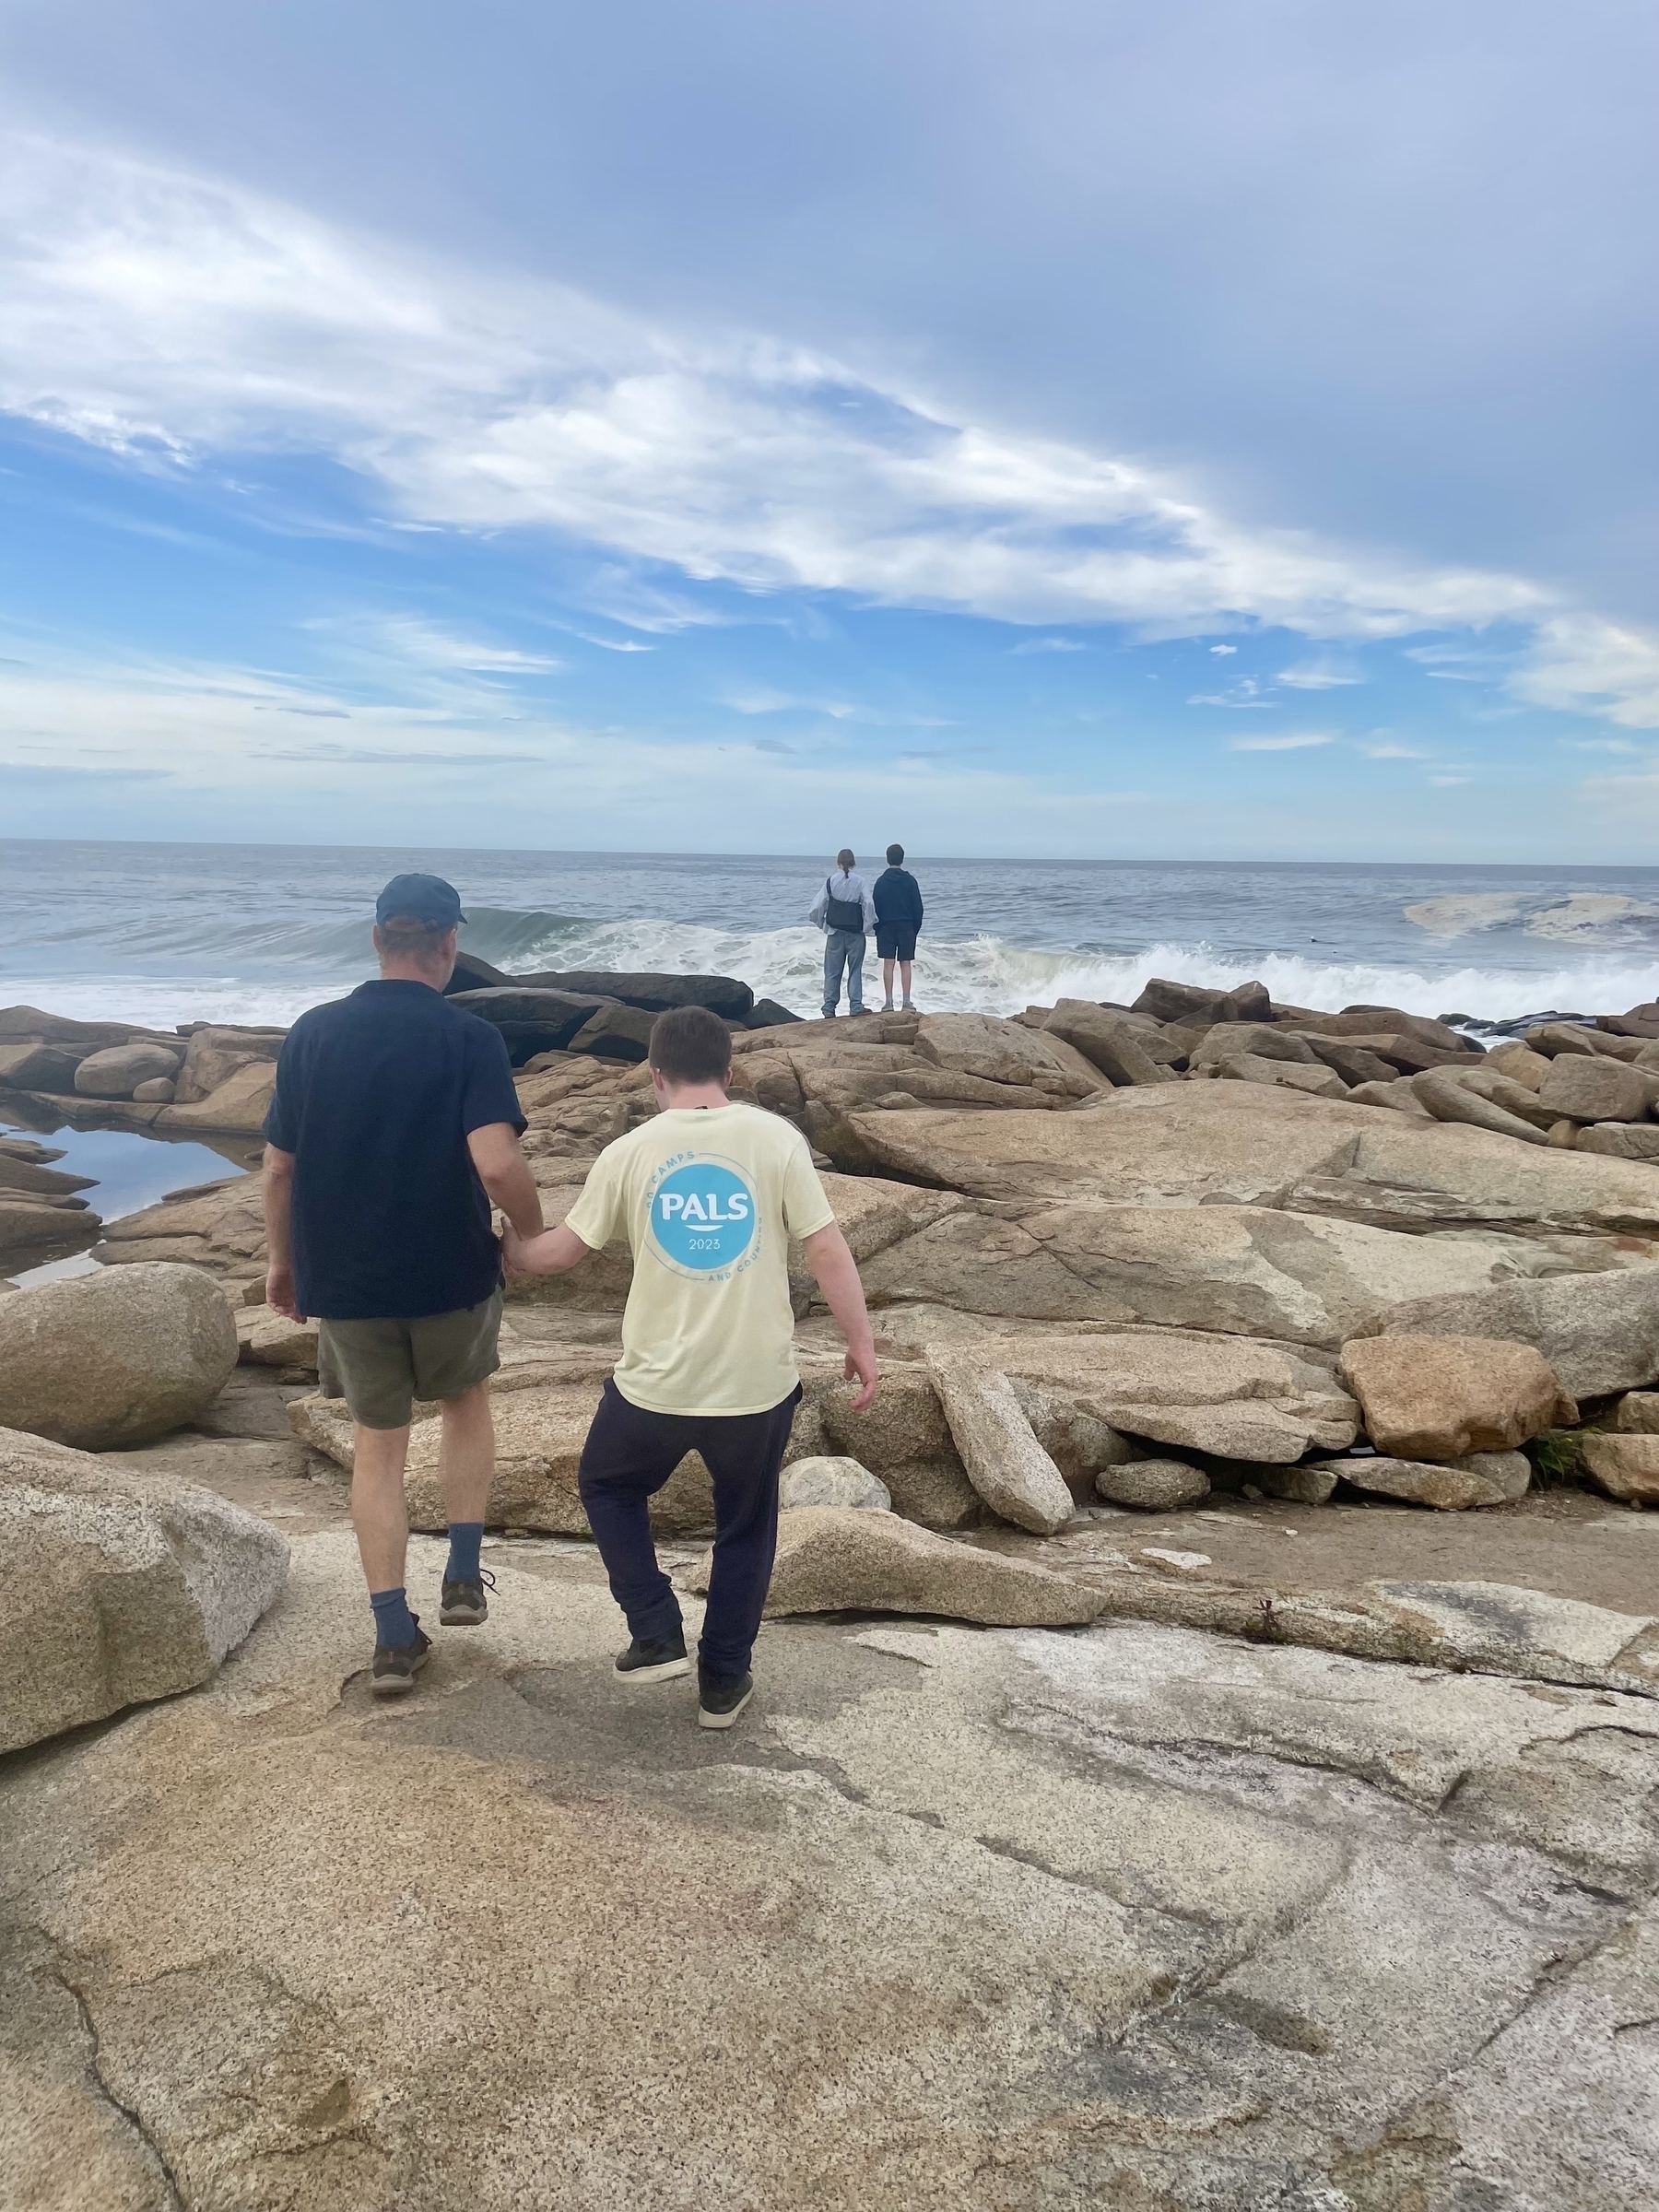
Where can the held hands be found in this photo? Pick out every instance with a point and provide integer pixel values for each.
(279, 1292)
(860, 1367)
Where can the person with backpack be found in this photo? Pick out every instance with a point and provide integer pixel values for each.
(897, 903)
(844, 911)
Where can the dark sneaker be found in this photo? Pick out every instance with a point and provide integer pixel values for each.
(396, 1666)
(721, 1698)
(464, 1605)
(658, 1659)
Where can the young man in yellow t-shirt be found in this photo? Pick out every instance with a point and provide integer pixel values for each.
(708, 1195)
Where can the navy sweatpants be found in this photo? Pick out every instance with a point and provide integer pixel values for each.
(628, 1456)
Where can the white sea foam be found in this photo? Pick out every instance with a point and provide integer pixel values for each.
(1463, 911)
(979, 973)
(1586, 914)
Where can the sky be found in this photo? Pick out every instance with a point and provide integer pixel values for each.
(1191, 431)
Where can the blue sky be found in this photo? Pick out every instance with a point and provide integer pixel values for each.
(1186, 432)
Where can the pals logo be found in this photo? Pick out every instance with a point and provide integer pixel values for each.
(704, 1218)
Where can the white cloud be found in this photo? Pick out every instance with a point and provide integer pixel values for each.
(1387, 749)
(1279, 745)
(1051, 645)
(170, 317)
(1318, 675)
(1223, 649)
(1445, 783)
(1582, 662)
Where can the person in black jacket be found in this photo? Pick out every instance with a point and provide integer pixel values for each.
(898, 900)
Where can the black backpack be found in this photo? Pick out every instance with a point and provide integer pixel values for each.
(843, 913)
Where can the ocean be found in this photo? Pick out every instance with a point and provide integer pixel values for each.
(162, 933)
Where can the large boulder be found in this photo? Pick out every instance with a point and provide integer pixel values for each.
(117, 1071)
(1252, 1270)
(114, 1358)
(722, 995)
(1210, 1144)
(1620, 1140)
(539, 1434)
(1585, 1089)
(1438, 1397)
(137, 1587)
(615, 1032)
(995, 1051)
(531, 1019)
(1109, 1041)
(1004, 1461)
(1625, 1466)
(1167, 1001)
(31, 1065)
(237, 1107)
(1449, 1100)
(1600, 1332)
(1261, 1038)
(837, 1559)
(1313, 1080)
(217, 1053)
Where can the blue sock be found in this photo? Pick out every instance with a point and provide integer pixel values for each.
(466, 1537)
(394, 1622)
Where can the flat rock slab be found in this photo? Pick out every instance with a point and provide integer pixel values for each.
(1448, 1488)
(842, 1559)
(1037, 1920)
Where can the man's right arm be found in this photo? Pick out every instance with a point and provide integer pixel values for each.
(836, 1273)
(278, 1218)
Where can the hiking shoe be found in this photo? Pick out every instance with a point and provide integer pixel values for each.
(464, 1605)
(721, 1698)
(909, 1007)
(397, 1665)
(886, 1005)
(657, 1659)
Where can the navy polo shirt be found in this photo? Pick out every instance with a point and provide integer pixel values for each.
(376, 1096)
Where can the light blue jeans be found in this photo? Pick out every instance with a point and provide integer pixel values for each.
(843, 949)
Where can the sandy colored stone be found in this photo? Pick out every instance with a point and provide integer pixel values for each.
(1600, 1332)
(1447, 1488)
(832, 1481)
(1005, 1051)
(137, 1589)
(1637, 1413)
(116, 1072)
(1309, 1484)
(266, 1339)
(1156, 1486)
(1620, 1140)
(1520, 1063)
(1314, 1080)
(1110, 1041)
(999, 1449)
(114, 1358)
(237, 1107)
(539, 1434)
(1249, 1270)
(1596, 1090)
(1448, 1099)
(1438, 1397)
(1625, 1466)
(836, 1559)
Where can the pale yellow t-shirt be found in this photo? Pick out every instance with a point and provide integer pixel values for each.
(708, 1198)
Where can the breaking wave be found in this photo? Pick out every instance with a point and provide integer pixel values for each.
(271, 975)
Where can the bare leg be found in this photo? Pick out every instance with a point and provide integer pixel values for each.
(904, 977)
(467, 1464)
(886, 981)
(377, 1504)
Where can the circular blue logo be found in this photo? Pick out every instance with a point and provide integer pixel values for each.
(704, 1216)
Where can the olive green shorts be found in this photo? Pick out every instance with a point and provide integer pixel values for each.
(380, 1368)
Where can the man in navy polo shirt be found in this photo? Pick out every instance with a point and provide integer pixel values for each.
(393, 1126)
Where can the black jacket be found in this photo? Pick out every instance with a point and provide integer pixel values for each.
(898, 897)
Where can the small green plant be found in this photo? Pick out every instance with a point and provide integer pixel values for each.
(1556, 1456)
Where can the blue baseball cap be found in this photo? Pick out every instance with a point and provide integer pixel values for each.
(419, 899)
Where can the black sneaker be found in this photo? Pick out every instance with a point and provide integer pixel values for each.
(464, 1605)
(721, 1698)
(397, 1665)
(657, 1659)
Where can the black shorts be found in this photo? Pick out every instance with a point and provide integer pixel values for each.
(895, 941)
